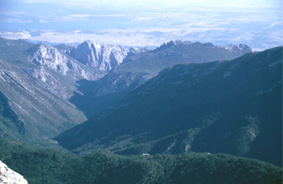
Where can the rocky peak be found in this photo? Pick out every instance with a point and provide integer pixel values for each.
(171, 43)
(96, 55)
(134, 50)
(241, 48)
(50, 57)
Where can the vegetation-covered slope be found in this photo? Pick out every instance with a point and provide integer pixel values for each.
(47, 166)
(230, 107)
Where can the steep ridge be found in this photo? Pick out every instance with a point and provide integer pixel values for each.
(36, 82)
(140, 65)
(230, 107)
(42, 107)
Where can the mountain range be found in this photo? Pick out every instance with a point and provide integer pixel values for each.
(42, 85)
(140, 65)
(232, 106)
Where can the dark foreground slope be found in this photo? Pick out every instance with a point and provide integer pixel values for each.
(232, 107)
(10, 122)
(50, 167)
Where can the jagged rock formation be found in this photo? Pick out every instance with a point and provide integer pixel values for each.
(50, 57)
(95, 55)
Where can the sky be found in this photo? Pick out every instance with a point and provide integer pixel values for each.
(141, 23)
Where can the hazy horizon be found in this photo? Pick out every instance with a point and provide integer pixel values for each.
(257, 23)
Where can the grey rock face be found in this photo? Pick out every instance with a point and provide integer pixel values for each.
(95, 55)
(9, 176)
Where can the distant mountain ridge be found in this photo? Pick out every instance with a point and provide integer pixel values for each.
(179, 52)
(238, 48)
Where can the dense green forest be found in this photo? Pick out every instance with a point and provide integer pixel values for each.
(42, 165)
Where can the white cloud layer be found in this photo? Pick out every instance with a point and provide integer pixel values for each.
(144, 23)
(16, 35)
(153, 37)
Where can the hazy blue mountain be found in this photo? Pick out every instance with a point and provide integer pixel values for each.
(140, 65)
(40, 165)
(180, 52)
(230, 107)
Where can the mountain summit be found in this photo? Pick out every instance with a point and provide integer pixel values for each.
(95, 55)
(51, 57)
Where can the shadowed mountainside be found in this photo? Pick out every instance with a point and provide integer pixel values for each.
(230, 107)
